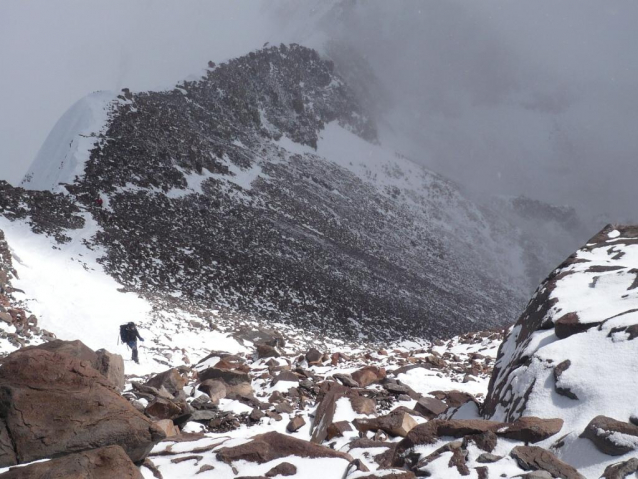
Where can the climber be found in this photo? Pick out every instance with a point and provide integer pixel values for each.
(129, 336)
(99, 202)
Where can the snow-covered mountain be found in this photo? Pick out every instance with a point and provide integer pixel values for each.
(260, 188)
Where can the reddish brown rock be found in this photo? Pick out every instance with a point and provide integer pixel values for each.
(536, 458)
(326, 409)
(397, 423)
(109, 365)
(486, 441)
(621, 470)
(457, 460)
(430, 432)
(228, 363)
(570, 324)
(369, 375)
(346, 380)
(285, 376)
(602, 431)
(171, 380)
(314, 356)
(284, 469)
(267, 351)
(216, 390)
(430, 407)
(273, 445)
(104, 463)
(560, 388)
(162, 408)
(336, 429)
(454, 398)
(531, 429)
(42, 393)
(295, 424)
(168, 427)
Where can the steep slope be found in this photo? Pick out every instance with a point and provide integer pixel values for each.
(260, 189)
(572, 353)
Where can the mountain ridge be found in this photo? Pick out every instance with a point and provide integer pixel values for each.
(272, 196)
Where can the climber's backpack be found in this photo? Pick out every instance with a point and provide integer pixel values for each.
(127, 332)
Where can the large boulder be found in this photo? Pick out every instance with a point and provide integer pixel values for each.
(621, 469)
(104, 463)
(52, 403)
(531, 429)
(430, 407)
(109, 365)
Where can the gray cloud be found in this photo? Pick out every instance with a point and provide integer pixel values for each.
(537, 98)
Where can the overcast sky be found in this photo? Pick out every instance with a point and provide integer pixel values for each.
(537, 98)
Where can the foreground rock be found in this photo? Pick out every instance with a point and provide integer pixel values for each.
(105, 463)
(111, 366)
(55, 404)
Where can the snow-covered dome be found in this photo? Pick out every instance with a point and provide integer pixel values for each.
(67, 148)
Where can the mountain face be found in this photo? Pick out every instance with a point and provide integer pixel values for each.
(260, 188)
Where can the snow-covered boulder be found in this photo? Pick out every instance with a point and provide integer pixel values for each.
(572, 353)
